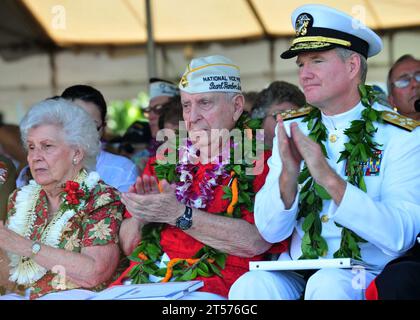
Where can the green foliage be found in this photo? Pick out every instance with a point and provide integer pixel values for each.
(357, 151)
(122, 113)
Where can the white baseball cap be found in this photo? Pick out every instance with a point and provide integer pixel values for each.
(211, 74)
(160, 87)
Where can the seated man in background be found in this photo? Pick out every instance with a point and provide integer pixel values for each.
(279, 96)
(404, 86)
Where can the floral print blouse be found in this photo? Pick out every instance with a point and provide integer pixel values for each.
(96, 224)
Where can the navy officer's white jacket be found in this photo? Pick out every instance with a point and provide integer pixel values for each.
(387, 216)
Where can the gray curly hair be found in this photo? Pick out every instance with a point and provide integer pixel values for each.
(78, 127)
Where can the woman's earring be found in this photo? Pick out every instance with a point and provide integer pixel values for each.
(74, 161)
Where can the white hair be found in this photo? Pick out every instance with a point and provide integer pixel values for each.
(230, 95)
(344, 54)
(78, 127)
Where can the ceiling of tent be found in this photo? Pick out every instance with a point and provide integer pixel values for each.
(123, 22)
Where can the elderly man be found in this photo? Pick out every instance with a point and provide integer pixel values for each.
(344, 176)
(404, 86)
(207, 229)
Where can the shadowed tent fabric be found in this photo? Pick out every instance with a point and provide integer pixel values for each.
(20, 34)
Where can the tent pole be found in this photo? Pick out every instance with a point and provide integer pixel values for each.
(53, 73)
(151, 53)
(272, 60)
(391, 49)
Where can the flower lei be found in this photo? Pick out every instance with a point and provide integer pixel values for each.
(24, 270)
(207, 261)
(211, 178)
(358, 150)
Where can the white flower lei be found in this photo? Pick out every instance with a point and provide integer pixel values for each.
(25, 271)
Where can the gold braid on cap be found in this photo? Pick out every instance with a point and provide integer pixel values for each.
(322, 39)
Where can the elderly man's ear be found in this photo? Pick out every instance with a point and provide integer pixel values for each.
(238, 103)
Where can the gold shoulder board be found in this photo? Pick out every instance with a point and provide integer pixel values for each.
(400, 121)
(295, 113)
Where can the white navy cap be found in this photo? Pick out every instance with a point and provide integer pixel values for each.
(320, 28)
(159, 87)
(211, 74)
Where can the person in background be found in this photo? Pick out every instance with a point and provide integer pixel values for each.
(135, 142)
(117, 171)
(160, 92)
(250, 98)
(7, 183)
(61, 231)
(277, 97)
(11, 146)
(171, 115)
(404, 86)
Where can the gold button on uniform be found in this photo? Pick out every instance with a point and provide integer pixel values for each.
(324, 218)
(333, 138)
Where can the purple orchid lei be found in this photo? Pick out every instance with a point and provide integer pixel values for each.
(189, 158)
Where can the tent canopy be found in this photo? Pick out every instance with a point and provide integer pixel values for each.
(123, 22)
(20, 34)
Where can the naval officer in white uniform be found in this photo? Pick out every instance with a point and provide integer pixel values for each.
(367, 205)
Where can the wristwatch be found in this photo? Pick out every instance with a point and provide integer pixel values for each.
(184, 222)
(36, 247)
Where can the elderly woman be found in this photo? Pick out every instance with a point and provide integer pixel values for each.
(62, 229)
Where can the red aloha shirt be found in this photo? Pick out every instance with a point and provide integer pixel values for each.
(96, 225)
(178, 244)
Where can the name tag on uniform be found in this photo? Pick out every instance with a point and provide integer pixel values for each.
(372, 166)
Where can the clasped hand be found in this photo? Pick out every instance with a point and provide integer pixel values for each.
(145, 202)
(299, 147)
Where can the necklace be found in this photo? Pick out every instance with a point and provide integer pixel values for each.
(208, 175)
(24, 270)
(207, 261)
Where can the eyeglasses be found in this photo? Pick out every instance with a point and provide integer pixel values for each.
(156, 109)
(404, 82)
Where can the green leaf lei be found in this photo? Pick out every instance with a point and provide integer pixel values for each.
(209, 261)
(358, 150)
